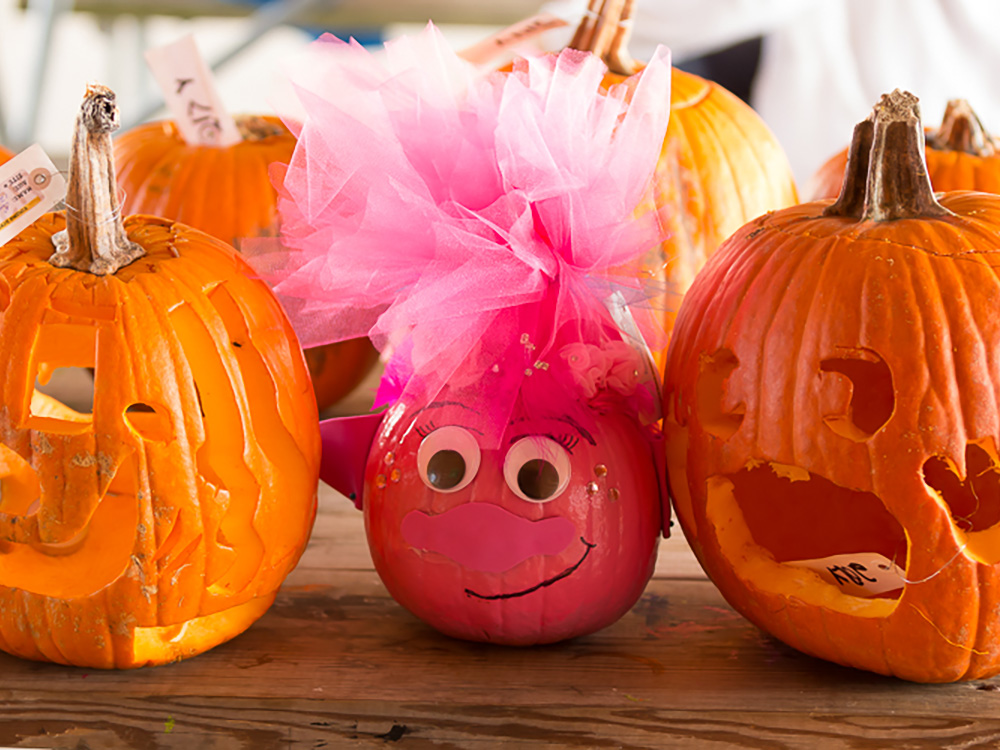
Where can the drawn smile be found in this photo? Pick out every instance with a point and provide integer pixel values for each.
(548, 582)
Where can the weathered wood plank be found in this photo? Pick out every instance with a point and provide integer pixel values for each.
(681, 648)
(192, 723)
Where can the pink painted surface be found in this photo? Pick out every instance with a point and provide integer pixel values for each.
(485, 537)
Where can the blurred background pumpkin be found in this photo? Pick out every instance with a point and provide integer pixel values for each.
(719, 167)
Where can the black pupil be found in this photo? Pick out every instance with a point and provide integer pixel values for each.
(538, 479)
(445, 469)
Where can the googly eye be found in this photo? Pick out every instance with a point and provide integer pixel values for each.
(537, 469)
(448, 458)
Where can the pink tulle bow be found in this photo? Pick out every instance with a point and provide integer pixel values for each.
(453, 215)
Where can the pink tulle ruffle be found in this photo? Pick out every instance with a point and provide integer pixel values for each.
(453, 215)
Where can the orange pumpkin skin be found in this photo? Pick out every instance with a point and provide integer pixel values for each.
(162, 532)
(720, 167)
(227, 193)
(831, 388)
(951, 164)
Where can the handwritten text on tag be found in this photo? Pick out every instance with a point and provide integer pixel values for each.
(509, 38)
(861, 574)
(30, 186)
(189, 91)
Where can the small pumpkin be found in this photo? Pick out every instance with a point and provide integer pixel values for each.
(227, 192)
(832, 413)
(961, 155)
(163, 522)
(719, 167)
(551, 536)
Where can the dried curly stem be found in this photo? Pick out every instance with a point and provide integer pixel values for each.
(886, 176)
(94, 239)
(962, 130)
(605, 30)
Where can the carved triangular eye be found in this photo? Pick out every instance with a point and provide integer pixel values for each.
(872, 397)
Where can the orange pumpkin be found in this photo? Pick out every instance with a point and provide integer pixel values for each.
(719, 167)
(832, 413)
(5, 155)
(960, 155)
(226, 192)
(163, 522)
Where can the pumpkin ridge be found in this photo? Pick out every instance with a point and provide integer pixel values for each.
(693, 98)
(727, 113)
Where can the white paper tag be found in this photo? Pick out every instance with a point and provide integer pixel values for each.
(503, 41)
(30, 185)
(862, 574)
(189, 90)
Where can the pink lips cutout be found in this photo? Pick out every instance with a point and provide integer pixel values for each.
(485, 537)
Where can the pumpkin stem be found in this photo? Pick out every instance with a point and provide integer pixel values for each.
(256, 128)
(94, 239)
(962, 130)
(604, 30)
(886, 176)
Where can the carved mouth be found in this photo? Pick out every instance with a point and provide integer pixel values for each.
(547, 582)
(789, 516)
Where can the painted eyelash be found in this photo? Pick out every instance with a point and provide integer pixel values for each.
(566, 440)
(425, 429)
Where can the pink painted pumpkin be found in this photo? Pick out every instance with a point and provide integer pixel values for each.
(511, 490)
(551, 536)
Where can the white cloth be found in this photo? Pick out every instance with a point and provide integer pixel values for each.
(824, 63)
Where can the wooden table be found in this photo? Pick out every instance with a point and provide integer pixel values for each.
(337, 663)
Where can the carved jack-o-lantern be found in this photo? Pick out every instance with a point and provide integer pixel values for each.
(163, 522)
(832, 412)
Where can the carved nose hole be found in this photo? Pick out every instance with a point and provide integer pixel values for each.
(974, 502)
(151, 422)
(714, 371)
(872, 396)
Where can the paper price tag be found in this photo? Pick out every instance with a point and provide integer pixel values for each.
(30, 185)
(503, 41)
(863, 574)
(188, 89)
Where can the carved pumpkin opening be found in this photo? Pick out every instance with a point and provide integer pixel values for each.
(872, 397)
(973, 499)
(151, 422)
(64, 356)
(19, 488)
(795, 517)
